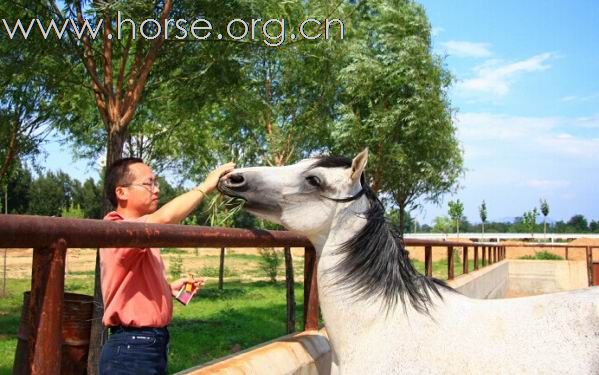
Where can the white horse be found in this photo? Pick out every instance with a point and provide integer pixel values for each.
(383, 317)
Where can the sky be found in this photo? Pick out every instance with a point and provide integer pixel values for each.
(526, 96)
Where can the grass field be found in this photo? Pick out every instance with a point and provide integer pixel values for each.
(214, 324)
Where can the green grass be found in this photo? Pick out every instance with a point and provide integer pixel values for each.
(543, 255)
(214, 322)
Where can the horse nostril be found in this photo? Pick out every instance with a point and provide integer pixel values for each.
(235, 180)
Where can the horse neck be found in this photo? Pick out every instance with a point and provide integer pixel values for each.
(335, 302)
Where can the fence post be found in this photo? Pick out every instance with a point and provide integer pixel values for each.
(589, 253)
(221, 269)
(465, 260)
(567, 252)
(289, 279)
(484, 251)
(310, 290)
(428, 260)
(475, 258)
(45, 309)
(449, 262)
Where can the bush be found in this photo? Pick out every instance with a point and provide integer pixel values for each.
(270, 260)
(543, 255)
(176, 267)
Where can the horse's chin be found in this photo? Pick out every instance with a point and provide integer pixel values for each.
(262, 212)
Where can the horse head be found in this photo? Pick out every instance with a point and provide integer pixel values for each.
(302, 197)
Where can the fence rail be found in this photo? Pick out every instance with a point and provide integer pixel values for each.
(50, 238)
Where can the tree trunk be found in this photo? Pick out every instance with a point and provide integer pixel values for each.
(98, 334)
(289, 278)
(221, 270)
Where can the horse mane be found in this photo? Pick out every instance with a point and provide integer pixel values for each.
(376, 262)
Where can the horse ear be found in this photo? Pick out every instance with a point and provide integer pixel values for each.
(358, 164)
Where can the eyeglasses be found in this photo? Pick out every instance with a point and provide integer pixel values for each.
(147, 185)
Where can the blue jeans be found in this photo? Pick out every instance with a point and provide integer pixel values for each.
(135, 351)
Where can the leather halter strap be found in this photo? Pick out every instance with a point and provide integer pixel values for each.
(348, 199)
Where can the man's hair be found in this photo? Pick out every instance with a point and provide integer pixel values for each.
(118, 174)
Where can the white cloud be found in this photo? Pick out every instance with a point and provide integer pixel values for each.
(496, 134)
(481, 126)
(495, 78)
(467, 49)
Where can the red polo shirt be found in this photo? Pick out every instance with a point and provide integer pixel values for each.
(134, 286)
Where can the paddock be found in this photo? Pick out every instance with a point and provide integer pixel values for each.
(305, 352)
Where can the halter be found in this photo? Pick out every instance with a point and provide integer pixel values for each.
(353, 197)
(348, 199)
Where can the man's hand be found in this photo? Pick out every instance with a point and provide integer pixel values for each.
(196, 282)
(211, 180)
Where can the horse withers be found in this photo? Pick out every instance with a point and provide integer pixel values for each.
(381, 315)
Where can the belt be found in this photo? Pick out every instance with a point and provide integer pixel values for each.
(115, 329)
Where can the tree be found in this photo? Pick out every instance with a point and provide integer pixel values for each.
(17, 189)
(394, 219)
(28, 78)
(529, 220)
(393, 99)
(88, 196)
(456, 211)
(50, 194)
(442, 224)
(482, 210)
(545, 211)
(579, 223)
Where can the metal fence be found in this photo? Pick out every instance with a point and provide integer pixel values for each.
(50, 238)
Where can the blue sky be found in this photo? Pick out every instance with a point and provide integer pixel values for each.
(527, 100)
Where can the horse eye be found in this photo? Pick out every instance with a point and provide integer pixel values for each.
(313, 180)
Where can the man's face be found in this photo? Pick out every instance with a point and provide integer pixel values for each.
(140, 194)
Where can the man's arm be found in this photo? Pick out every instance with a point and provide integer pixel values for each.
(178, 208)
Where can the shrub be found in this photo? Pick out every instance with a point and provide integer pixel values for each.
(543, 255)
(176, 267)
(270, 260)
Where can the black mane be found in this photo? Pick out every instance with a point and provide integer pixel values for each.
(376, 263)
(332, 162)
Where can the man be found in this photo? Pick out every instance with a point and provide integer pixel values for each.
(137, 298)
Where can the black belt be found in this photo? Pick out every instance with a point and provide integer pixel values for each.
(115, 329)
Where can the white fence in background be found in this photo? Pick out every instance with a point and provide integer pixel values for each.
(496, 237)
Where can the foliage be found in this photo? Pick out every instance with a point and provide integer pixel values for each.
(529, 220)
(393, 99)
(544, 206)
(393, 217)
(441, 224)
(270, 260)
(73, 211)
(50, 194)
(579, 223)
(176, 267)
(30, 72)
(543, 255)
(456, 212)
(482, 211)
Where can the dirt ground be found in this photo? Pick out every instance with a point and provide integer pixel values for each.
(81, 261)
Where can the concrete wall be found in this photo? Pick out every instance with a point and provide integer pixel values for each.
(546, 276)
(305, 353)
(486, 283)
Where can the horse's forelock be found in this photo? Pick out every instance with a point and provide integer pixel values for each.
(332, 162)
